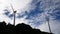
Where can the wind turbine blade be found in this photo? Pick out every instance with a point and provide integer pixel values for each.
(12, 7)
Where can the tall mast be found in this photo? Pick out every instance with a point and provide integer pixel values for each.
(47, 19)
(14, 14)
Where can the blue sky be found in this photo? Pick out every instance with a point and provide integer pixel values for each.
(32, 12)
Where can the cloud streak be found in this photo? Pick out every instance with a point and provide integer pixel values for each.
(33, 13)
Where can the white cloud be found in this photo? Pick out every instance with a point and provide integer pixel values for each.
(48, 6)
(18, 5)
(23, 5)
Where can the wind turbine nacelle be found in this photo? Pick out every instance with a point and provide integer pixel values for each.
(15, 11)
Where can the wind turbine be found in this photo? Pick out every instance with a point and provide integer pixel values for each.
(14, 14)
(47, 19)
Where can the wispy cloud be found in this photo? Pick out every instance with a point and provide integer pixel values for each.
(6, 12)
(33, 13)
(50, 8)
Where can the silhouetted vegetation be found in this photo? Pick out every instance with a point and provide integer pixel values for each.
(19, 29)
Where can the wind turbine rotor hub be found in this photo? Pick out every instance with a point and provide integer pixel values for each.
(15, 11)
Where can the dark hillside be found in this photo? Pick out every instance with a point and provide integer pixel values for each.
(19, 29)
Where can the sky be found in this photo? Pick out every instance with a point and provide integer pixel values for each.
(33, 13)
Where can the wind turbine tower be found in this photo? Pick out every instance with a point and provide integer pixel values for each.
(14, 14)
(47, 19)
